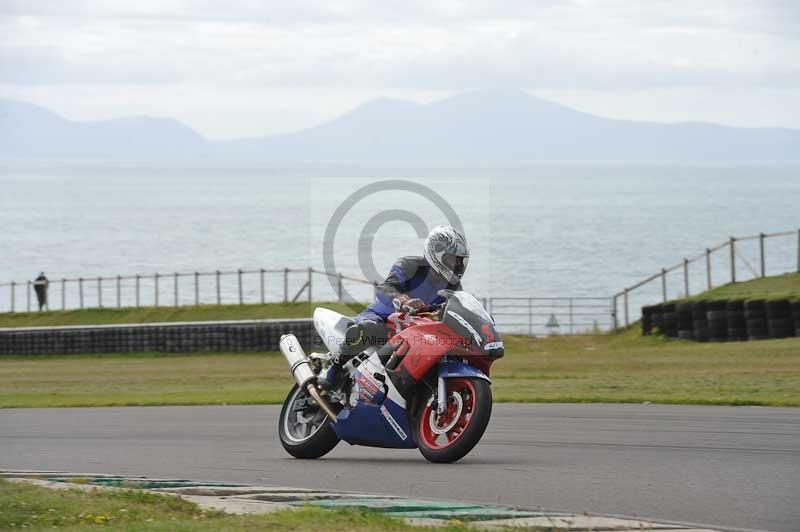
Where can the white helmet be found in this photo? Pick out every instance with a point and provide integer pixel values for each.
(447, 252)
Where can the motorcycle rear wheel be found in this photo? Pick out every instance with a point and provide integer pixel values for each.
(448, 438)
(306, 440)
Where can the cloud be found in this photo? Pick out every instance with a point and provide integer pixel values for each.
(49, 65)
(260, 49)
(441, 46)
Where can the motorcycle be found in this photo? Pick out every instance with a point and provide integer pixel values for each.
(426, 387)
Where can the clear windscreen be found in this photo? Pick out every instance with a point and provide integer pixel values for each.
(471, 303)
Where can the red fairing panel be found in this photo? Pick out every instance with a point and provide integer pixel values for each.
(427, 344)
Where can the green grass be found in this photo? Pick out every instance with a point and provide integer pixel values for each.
(619, 368)
(616, 368)
(24, 506)
(170, 314)
(785, 286)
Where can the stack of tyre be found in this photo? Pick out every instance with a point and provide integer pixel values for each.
(796, 317)
(723, 320)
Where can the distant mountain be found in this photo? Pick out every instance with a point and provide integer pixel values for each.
(31, 132)
(477, 126)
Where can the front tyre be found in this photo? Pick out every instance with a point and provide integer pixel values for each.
(304, 428)
(447, 438)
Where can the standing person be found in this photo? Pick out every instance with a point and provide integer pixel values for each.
(40, 285)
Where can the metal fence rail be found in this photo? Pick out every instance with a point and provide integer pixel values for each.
(736, 259)
(185, 289)
(552, 315)
(520, 315)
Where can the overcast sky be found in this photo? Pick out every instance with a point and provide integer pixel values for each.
(247, 67)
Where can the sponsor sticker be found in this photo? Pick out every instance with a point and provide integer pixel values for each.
(367, 388)
(393, 422)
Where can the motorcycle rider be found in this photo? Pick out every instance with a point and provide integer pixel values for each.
(412, 285)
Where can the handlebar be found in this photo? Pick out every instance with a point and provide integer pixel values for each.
(430, 309)
(399, 307)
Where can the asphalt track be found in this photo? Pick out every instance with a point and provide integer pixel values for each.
(726, 467)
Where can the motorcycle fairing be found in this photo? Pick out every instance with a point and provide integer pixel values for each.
(331, 327)
(372, 425)
(456, 368)
(425, 347)
(378, 417)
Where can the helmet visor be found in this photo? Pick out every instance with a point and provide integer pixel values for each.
(455, 263)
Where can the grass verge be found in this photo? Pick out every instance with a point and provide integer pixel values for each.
(619, 368)
(785, 286)
(109, 316)
(38, 508)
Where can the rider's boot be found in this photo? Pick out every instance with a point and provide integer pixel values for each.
(358, 337)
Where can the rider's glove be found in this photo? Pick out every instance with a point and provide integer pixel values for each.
(407, 304)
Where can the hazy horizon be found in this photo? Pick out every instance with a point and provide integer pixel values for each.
(389, 101)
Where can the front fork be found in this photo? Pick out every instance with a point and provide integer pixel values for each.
(441, 396)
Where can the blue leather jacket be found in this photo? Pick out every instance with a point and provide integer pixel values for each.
(409, 275)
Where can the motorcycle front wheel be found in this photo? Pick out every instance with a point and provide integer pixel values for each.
(305, 430)
(449, 437)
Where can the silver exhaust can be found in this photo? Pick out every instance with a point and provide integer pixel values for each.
(299, 364)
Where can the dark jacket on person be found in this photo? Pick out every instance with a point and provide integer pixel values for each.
(414, 277)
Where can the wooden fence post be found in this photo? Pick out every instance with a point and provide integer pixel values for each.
(530, 317)
(625, 301)
(761, 246)
(733, 259)
(614, 312)
(239, 276)
(663, 285)
(708, 267)
(310, 271)
(261, 286)
(686, 276)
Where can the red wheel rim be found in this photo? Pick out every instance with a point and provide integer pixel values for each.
(440, 432)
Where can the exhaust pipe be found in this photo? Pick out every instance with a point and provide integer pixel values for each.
(301, 370)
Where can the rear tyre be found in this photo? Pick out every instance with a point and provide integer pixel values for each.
(304, 428)
(447, 438)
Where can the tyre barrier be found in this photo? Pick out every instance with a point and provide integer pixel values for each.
(192, 337)
(699, 321)
(685, 325)
(647, 320)
(755, 315)
(723, 320)
(796, 317)
(737, 326)
(717, 317)
(780, 323)
(670, 319)
(658, 318)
